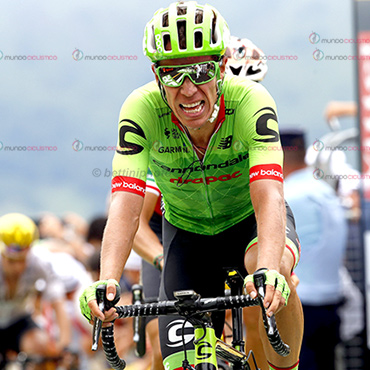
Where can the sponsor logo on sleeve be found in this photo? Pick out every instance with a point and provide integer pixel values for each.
(266, 172)
(126, 147)
(270, 135)
(129, 184)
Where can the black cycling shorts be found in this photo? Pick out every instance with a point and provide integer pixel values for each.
(200, 263)
(10, 336)
(150, 275)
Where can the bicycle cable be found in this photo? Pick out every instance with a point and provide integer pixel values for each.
(185, 362)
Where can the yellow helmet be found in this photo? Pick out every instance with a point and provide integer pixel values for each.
(17, 232)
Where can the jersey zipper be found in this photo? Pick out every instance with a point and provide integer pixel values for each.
(201, 162)
(203, 175)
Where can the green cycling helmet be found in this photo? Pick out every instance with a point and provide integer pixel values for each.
(185, 29)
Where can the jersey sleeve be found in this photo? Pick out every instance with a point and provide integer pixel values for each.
(258, 115)
(151, 185)
(130, 162)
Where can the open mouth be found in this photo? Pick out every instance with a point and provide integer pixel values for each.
(193, 107)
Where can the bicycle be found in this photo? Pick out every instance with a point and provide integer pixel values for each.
(234, 284)
(197, 311)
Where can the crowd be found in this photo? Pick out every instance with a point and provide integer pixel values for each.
(44, 265)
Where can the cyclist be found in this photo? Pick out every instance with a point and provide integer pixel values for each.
(21, 272)
(245, 59)
(212, 144)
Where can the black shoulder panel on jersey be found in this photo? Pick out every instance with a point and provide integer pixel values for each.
(263, 130)
(126, 147)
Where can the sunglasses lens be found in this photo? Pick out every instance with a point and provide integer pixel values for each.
(198, 73)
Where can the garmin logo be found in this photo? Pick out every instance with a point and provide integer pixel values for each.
(173, 149)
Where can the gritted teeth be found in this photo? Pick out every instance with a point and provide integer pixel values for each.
(191, 105)
(192, 108)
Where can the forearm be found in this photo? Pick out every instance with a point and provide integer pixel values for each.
(119, 233)
(146, 243)
(63, 322)
(270, 214)
(340, 109)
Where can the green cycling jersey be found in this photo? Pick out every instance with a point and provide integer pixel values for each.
(211, 195)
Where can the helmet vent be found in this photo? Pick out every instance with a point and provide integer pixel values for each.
(213, 35)
(152, 40)
(181, 31)
(181, 10)
(198, 16)
(165, 20)
(167, 42)
(198, 39)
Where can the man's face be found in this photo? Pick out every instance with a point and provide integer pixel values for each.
(14, 266)
(192, 104)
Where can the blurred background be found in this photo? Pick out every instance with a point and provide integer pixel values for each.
(59, 105)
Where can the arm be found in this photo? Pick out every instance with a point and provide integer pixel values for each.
(122, 224)
(268, 203)
(146, 242)
(339, 109)
(63, 322)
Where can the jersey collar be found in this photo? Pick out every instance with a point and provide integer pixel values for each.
(220, 117)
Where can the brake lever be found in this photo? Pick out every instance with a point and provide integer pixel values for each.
(104, 305)
(259, 281)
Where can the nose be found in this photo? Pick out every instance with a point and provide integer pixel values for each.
(188, 88)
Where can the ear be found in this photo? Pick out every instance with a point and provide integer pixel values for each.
(153, 69)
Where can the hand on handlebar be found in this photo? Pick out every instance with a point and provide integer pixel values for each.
(88, 304)
(276, 292)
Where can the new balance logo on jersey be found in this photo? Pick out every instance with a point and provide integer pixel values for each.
(129, 184)
(225, 142)
(266, 171)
